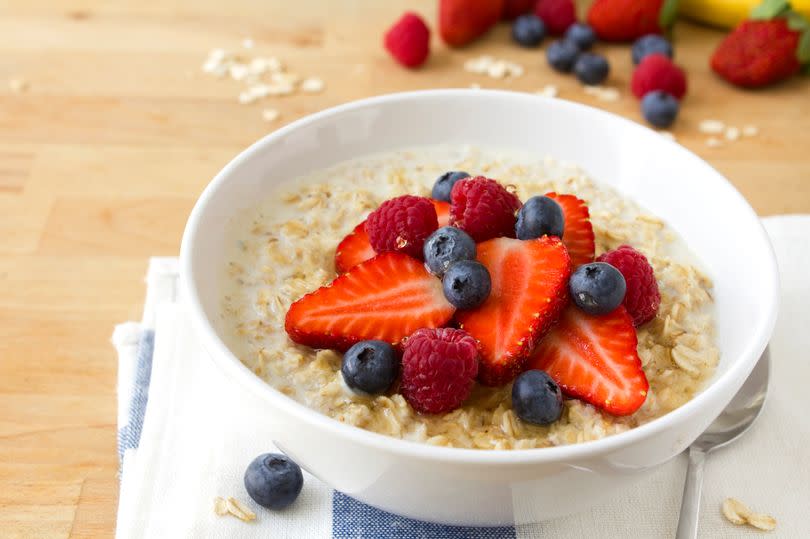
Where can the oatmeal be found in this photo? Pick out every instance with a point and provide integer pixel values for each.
(285, 248)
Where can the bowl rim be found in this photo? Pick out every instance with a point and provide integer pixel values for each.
(227, 360)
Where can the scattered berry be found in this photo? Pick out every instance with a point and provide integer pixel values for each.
(626, 20)
(408, 40)
(483, 208)
(513, 9)
(591, 68)
(528, 30)
(558, 15)
(597, 288)
(529, 289)
(643, 297)
(353, 249)
(578, 237)
(439, 367)
(386, 298)
(581, 35)
(536, 398)
(466, 284)
(651, 44)
(761, 52)
(659, 108)
(540, 216)
(462, 21)
(273, 480)
(370, 367)
(657, 72)
(594, 358)
(447, 246)
(402, 224)
(444, 184)
(562, 54)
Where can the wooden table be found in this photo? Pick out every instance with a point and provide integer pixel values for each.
(103, 155)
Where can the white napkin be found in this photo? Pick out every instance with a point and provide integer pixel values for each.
(199, 435)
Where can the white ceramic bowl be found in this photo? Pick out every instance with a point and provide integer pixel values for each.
(475, 487)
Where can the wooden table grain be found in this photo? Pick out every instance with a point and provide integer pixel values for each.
(118, 131)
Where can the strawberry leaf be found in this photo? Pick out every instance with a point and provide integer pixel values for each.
(668, 13)
(803, 50)
(796, 22)
(769, 9)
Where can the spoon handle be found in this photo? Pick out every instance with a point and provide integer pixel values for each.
(690, 504)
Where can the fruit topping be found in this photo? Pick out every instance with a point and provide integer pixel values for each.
(594, 358)
(529, 289)
(439, 367)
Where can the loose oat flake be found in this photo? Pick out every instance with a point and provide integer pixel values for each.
(232, 506)
(738, 513)
(711, 127)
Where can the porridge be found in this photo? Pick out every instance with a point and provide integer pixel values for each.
(285, 248)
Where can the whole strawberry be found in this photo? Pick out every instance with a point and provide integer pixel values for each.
(462, 21)
(626, 20)
(408, 40)
(769, 47)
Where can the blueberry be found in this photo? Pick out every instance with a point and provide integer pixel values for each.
(446, 246)
(273, 480)
(528, 30)
(651, 44)
(536, 398)
(444, 184)
(561, 55)
(659, 108)
(597, 288)
(370, 367)
(581, 35)
(539, 216)
(591, 68)
(467, 284)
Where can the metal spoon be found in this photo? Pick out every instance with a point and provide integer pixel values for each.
(737, 417)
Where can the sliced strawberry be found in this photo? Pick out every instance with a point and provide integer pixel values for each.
(353, 249)
(594, 358)
(386, 298)
(356, 247)
(578, 231)
(529, 289)
(442, 212)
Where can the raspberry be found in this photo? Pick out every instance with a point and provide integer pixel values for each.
(402, 224)
(658, 72)
(642, 297)
(408, 40)
(439, 367)
(558, 15)
(483, 208)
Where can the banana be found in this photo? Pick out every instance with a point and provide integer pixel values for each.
(728, 13)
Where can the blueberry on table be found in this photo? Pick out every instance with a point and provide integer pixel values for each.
(581, 35)
(591, 68)
(659, 108)
(446, 246)
(539, 216)
(467, 284)
(562, 54)
(273, 480)
(528, 30)
(536, 398)
(597, 288)
(370, 367)
(651, 44)
(444, 184)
